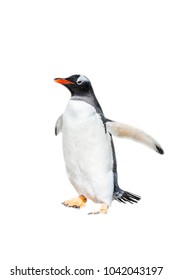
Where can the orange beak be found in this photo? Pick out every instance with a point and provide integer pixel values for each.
(62, 81)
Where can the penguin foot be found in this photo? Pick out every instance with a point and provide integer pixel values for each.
(103, 210)
(77, 202)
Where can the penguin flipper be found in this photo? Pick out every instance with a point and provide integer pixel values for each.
(58, 125)
(126, 131)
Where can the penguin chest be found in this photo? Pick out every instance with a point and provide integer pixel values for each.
(87, 152)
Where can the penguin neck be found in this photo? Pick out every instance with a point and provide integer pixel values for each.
(90, 98)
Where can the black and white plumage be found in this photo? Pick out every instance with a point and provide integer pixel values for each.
(88, 146)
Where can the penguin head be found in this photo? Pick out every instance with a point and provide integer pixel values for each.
(78, 85)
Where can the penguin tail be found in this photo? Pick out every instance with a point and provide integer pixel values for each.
(123, 196)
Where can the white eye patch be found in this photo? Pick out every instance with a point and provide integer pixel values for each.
(81, 79)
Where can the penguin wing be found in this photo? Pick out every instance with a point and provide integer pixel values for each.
(58, 125)
(126, 131)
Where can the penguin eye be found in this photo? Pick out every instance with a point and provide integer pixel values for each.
(79, 82)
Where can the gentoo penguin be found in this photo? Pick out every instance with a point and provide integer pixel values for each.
(89, 149)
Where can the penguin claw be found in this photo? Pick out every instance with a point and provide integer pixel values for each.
(71, 206)
(94, 212)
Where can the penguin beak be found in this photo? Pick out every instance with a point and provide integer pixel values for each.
(63, 81)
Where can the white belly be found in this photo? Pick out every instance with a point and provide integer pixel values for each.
(87, 152)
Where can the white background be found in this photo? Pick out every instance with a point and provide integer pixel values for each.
(126, 49)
